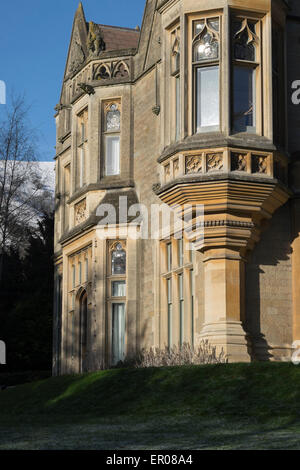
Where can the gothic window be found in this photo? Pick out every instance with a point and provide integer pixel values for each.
(118, 260)
(117, 300)
(245, 41)
(112, 125)
(175, 68)
(206, 57)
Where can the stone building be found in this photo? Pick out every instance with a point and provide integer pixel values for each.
(197, 108)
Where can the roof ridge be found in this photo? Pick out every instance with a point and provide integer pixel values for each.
(118, 27)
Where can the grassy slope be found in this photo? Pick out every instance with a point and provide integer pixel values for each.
(259, 393)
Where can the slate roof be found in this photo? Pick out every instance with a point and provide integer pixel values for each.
(117, 38)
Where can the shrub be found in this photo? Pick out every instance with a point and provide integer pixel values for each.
(203, 353)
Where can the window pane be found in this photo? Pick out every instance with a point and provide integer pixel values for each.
(178, 108)
(180, 252)
(112, 155)
(244, 99)
(169, 256)
(208, 107)
(80, 272)
(73, 276)
(119, 289)
(86, 269)
(118, 261)
(118, 332)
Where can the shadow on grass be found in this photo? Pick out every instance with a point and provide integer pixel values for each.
(260, 392)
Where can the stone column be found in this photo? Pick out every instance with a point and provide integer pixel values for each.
(224, 303)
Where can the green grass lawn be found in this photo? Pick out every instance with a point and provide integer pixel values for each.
(230, 406)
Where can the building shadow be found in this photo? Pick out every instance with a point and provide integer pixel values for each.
(268, 267)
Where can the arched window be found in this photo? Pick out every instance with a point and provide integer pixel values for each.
(112, 124)
(206, 57)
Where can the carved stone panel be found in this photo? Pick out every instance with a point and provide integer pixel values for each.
(259, 164)
(193, 164)
(167, 172)
(176, 168)
(77, 54)
(214, 161)
(80, 212)
(238, 161)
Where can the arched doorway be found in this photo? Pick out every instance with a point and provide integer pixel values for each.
(83, 333)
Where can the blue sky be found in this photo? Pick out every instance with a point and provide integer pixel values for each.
(34, 40)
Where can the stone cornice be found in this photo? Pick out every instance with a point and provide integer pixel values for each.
(213, 140)
(120, 184)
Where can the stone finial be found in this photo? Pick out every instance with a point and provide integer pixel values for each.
(95, 42)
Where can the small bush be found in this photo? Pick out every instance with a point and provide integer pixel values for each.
(203, 353)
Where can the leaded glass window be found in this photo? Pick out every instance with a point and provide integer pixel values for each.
(245, 39)
(206, 40)
(113, 118)
(118, 260)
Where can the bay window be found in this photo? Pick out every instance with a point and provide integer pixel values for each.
(206, 57)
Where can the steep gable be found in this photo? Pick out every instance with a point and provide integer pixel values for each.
(78, 46)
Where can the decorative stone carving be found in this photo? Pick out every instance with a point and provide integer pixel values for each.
(95, 42)
(176, 167)
(238, 162)
(167, 171)
(156, 187)
(214, 161)
(111, 70)
(77, 55)
(193, 164)
(121, 70)
(80, 212)
(259, 164)
(86, 88)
